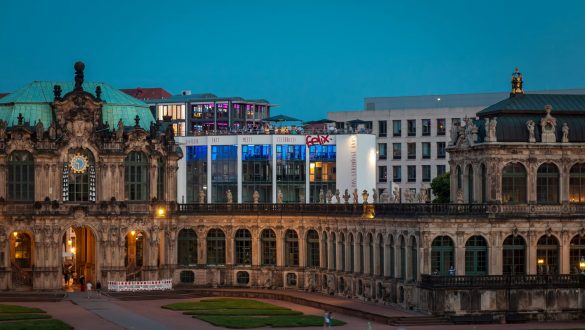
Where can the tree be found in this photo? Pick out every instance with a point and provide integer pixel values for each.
(441, 186)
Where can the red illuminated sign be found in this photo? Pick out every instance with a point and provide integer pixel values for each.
(318, 139)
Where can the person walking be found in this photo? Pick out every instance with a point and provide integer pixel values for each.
(325, 320)
(98, 288)
(88, 288)
(329, 320)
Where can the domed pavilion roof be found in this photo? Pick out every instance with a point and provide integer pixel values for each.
(34, 100)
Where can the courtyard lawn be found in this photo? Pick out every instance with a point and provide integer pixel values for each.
(21, 317)
(246, 313)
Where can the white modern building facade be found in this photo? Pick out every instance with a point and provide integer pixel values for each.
(275, 168)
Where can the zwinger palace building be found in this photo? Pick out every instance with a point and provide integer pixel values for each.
(89, 184)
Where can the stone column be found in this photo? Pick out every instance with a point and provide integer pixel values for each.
(460, 253)
(153, 177)
(331, 245)
(565, 193)
(564, 251)
(256, 248)
(377, 266)
(280, 248)
(229, 246)
(302, 248)
(531, 180)
(531, 253)
(495, 254)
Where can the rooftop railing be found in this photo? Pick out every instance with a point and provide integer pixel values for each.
(280, 131)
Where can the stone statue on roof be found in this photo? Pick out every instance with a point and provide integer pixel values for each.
(490, 129)
(565, 129)
(52, 131)
(120, 131)
(346, 196)
(530, 126)
(39, 130)
(454, 133)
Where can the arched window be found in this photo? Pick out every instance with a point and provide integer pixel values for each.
(268, 247)
(21, 176)
(243, 249)
(470, 197)
(79, 178)
(402, 258)
(381, 255)
(291, 248)
(547, 255)
(514, 184)
(577, 253)
(342, 250)
(476, 256)
(547, 183)
(22, 250)
(361, 253)
(514, 256)
(334, 251)
(442, 255)
(160, 181)
(312, 248)
(483, 183)
(136, 176)
(413, 258)
(577, 183)
(215, 247)
(326, 250)
(187, 247)
(391, 253)
(371, 254)
(351, 254)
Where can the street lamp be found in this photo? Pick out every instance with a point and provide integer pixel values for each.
(582, 265)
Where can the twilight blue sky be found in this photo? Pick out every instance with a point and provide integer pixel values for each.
(309, 57)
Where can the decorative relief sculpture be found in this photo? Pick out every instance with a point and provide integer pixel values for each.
(548, 126)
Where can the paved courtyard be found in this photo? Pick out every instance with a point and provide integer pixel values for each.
(109, 313)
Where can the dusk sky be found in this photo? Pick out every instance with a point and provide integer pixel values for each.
(309, 57)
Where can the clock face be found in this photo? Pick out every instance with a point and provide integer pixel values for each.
(79, 163)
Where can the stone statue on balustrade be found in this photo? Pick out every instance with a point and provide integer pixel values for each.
(346, 196)
(384, 197)
(301, 196)
(201, 196)
(337, 198)
(321, 197)
(256, 196)
(279, 197)
(365, 196)
(329, 196)
(396, 193)
(228, 196)
(374, 195)
(355, 196)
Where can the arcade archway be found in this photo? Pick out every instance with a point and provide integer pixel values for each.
(79, 262)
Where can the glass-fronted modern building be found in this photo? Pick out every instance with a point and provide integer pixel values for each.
(273, 168)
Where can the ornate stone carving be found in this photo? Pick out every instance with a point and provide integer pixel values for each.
(548, 126)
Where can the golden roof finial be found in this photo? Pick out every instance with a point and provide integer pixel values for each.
(516, 84)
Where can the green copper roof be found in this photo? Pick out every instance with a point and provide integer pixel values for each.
(34, 99)
(534, 103)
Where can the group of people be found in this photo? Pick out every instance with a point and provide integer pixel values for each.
(67, 275)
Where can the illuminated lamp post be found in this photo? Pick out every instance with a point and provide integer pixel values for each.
(540, 263)
(582, 265)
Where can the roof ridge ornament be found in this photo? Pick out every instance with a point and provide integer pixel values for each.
(79, 67)
(516, 84)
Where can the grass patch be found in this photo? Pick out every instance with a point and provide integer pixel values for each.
(246, 314)
(241, 311)
(36, 324)
(246, 322)
(23, 316)
(19, 309)
(222, 303)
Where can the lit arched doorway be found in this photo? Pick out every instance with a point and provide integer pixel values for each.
(21, 258)
(79, 259)
(134, 248)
